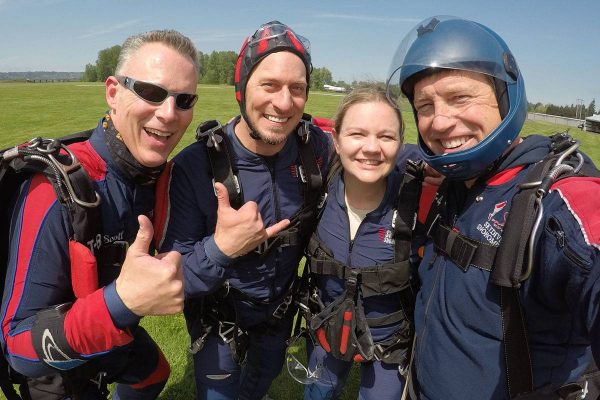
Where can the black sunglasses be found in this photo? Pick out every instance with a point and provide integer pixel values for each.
(156, 94)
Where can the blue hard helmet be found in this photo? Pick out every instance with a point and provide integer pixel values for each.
(444, 42)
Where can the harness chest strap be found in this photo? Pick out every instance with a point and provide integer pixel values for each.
(341, 327)
(223, 169)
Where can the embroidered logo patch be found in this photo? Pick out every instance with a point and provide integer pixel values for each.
(386, 236)
(491, 230)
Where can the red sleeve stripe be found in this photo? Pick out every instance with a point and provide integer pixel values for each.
(582, 197)
(40, 198)
(162, 208)
(504, 176)
(89, 328)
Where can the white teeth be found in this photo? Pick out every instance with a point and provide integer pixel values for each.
(157, 132)
(453, 143)
(275, 119)
(370, 162)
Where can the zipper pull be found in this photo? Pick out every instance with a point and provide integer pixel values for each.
(560, 238)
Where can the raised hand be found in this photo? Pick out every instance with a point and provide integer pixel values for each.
(239, 231)
(150, 285)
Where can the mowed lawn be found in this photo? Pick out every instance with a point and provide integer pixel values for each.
(56, 109)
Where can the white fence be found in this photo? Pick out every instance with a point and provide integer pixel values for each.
(554, 119)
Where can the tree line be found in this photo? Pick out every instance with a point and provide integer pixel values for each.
(578, 111)
(216, 68)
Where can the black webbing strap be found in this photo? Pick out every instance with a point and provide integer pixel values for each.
(463, 251)
(221, 163)
(511, 253)
(407, 208)
(86, 221)
(519, 374)
(388, 319)
(312, 183)
(374, 281)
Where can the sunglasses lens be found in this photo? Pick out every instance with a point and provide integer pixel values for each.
(150, 92)
(185, 101)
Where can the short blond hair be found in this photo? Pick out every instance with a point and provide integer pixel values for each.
(169, 37)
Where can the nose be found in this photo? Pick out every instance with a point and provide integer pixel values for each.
(167, 111)
(371, 144)
(443, 117)
(283, 101)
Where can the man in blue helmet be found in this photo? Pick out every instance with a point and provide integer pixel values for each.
(510, 273)
(241, 249)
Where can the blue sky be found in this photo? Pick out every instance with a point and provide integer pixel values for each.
(555, 42)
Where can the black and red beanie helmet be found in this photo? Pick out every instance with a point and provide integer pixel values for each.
(269, 38)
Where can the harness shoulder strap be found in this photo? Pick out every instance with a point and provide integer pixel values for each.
(220, 157)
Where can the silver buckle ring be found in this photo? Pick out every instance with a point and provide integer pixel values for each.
(225, 332)
(283, 307)
(301, 173)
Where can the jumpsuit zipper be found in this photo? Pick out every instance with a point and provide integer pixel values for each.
(271, 168)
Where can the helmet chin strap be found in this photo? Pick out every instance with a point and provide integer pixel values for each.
(253, 132)
(254, 135)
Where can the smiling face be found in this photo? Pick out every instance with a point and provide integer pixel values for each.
(275, 98)
(368, 142)
(152, 131)
(455, 110)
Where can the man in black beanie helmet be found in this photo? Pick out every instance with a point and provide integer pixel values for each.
(241, 249)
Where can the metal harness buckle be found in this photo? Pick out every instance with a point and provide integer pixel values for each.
(100, 383)
(227, 329)
(198, 344)
(283, 307)
(264, 247)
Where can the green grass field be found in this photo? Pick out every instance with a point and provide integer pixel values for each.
(56, 109)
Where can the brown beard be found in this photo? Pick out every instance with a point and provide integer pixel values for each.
(254, 134)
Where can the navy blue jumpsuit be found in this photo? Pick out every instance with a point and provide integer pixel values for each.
(99, 326)
(274, 184)
(459, 351)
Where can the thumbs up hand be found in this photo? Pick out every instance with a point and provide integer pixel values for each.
(150, 285)
(239, 231)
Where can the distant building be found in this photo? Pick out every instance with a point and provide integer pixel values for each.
(592, 124)
(332, 88)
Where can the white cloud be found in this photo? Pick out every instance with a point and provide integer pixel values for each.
(110, 29)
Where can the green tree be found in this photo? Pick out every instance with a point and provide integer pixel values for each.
(90, 75)
(218, 67)
(591, 110)
(107, 62)
(320, 77)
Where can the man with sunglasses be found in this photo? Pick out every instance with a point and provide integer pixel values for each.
(241, 249)
(49, 323)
